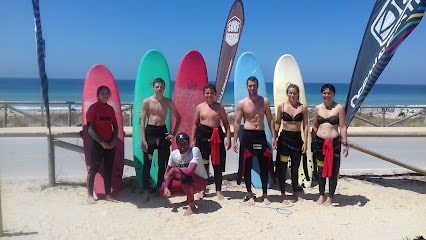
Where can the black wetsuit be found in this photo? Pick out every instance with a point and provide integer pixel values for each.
(203, 136)
(253, 143)
(155, 136)
(318, 152)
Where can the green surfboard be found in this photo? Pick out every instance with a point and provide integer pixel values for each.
(152, 65)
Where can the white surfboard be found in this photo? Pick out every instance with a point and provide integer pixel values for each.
(286, 72)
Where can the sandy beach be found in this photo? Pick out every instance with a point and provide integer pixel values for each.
(367, 207)
(388, 203)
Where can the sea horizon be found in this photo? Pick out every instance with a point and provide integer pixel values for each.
(70, 90)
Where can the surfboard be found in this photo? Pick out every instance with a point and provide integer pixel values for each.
(100, 75)
(152, 65)
(191, 78)
(246, 66)
(287, 71)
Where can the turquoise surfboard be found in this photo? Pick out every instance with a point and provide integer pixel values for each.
(247, 65)
(152, 65)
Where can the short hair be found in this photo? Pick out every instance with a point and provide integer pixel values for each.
(158, 80)
(102, 87)
(210, 86)
(329, 86)
(252, 78)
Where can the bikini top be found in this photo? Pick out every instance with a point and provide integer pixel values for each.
(333, 120)
(288, 118)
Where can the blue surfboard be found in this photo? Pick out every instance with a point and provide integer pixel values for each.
(246, 66)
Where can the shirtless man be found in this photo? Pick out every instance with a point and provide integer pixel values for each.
(156, 135)
(253, 140)
(208, 136)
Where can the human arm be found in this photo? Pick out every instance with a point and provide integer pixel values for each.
(305, 127)
(144, 114)
(225, 122)
(195, 126)
(92, 133)
(111, 143)
(278, 120)
(343, 130)
(271, 122)
(177, 123)
(237, 122)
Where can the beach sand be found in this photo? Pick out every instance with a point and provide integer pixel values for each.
(366, 207)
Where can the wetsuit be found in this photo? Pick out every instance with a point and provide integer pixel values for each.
(253, 144)
(210, 141)
(327, 154)
(289, 145)
(101, 117)
(155, 136)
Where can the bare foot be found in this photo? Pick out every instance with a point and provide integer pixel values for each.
(249, 198)
(109, 198)
(91, 200)
(297, 198)
(284, 197)
(328, 202)
(190, 210)
(146, 196)
(266, 200)
(219, 195)
(320, 200)
(200, 195)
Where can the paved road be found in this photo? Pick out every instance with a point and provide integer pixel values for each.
(27, 157)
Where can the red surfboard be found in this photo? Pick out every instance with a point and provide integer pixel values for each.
(99, 75)
(188, 90)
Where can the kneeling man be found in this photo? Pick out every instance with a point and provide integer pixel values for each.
(185, 173)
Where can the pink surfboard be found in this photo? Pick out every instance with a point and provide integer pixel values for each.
(100, 75)
(188, 90)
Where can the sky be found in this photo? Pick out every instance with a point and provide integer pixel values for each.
(323, 36)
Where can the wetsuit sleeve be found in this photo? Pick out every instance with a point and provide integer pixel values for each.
(190, 169)
(166, 176)
(93, 134)
(115, 131)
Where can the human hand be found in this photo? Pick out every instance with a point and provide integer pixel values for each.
(345, 151)
(228, 144)
(169, 136)
(166, 192)
(144, 146)
(236, 147)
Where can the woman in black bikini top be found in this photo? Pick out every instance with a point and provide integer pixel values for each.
(292, 118)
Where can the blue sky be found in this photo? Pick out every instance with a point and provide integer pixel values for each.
(323, 36)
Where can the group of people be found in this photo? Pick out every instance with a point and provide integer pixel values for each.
(186, 169)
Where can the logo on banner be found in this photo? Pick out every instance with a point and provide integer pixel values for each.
(390, 18)
(233, 31)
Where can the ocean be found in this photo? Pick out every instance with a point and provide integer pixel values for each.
(70, 90)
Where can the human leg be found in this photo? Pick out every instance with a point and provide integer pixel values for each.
(96, 155)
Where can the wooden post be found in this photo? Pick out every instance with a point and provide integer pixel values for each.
(51, 156)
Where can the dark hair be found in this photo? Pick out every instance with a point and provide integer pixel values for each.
(210, 86)
(100, 88)
(329, 86)
(158, 80)
(252, 78)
